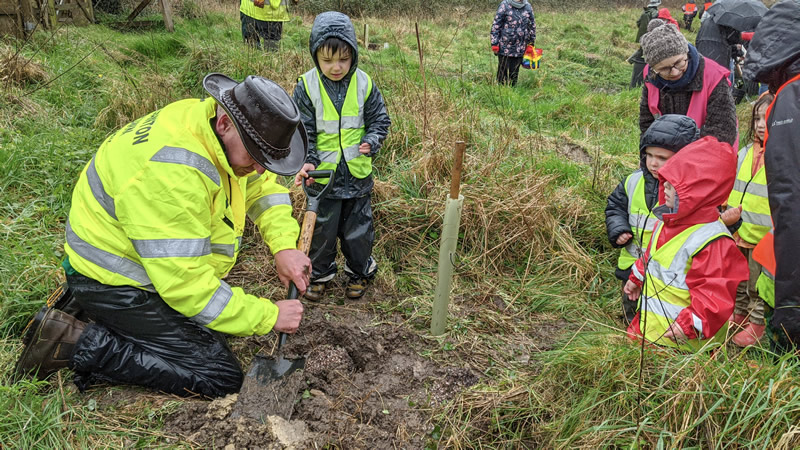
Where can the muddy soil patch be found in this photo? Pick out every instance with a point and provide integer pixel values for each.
(364, 386)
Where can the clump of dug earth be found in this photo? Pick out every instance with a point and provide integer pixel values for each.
(363, 386)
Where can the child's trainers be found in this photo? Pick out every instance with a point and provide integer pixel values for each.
(315, 291)
(356, 287)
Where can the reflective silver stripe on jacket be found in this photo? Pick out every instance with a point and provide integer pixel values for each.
(765, 220)
(634, 248)
(767, 273)
(228, 250)
(218, 301)
(351, 153)
(642, 221)
(172, 248)
(675, 274)
(669, 311)
(266, 202)
(741, 156)
(109, 261)
(630, 186)
(328, 157)
(753, 188)
(177, 155)
(99, 191)
(636, 272)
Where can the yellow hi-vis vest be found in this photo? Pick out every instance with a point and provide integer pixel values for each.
(339, 136)
(765, 285)
(271, 11)
(751, 192)
(665, 292)
(159, 208)
(640, 218)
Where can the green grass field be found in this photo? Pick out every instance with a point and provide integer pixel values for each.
(541, 160)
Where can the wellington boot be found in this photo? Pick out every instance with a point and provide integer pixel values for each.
(315, 291)
(49, 341)
(750, 335)
(739, 319)
(356, 287)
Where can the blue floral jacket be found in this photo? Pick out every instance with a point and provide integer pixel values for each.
(513, 28)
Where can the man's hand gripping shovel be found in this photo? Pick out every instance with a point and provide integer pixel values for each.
(264, 369)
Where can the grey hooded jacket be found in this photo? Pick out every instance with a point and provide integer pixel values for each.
(376, 119)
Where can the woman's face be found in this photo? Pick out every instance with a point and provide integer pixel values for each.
(672, 68)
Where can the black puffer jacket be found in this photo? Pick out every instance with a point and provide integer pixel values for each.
(376, 119)
(774, 58)
(670, 131)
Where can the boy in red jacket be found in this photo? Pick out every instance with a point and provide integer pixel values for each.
(686, 280)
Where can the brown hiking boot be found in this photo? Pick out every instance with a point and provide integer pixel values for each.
(315, 291)
(356, 287)
(49, 340)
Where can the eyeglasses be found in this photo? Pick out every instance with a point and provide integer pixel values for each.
(680, 65)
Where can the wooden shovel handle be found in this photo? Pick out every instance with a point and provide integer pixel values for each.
(307, 231)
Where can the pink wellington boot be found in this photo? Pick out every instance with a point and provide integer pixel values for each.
(739, 319)
(750, 335)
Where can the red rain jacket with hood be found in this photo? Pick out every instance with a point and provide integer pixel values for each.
(703, 174)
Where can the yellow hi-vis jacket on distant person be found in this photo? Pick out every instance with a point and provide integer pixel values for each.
(750, 191)
(266, 10)
(640, 218)
(337, 135)
(158, 207)
(665, 292)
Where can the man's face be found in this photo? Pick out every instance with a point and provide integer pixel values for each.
(239, 159)
(334, 65)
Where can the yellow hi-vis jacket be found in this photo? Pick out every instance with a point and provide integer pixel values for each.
(640, 218)
(665, 292)
(158, 207)
(750, 191)
(337, 135)
(269, 11)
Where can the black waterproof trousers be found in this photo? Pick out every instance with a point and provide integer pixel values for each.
(350, 221)
(254, 31)
(136, 338)
(508, 69)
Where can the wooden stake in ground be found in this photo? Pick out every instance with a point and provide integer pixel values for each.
(447, 246)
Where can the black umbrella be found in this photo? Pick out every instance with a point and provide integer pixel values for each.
(741, 15)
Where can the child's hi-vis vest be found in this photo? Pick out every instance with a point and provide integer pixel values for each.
(640, 218)
(665, 293)
(750, 191)
(337, 135)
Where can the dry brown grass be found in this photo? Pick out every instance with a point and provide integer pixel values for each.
(17, 69)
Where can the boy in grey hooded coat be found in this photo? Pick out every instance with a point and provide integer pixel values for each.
(346, 120)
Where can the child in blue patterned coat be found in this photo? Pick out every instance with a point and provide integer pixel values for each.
(513, 29)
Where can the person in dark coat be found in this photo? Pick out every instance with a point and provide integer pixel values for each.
(514, 28)
(629, 217)
(679, 80)
(324, 95)
(774, 59)
(637, 59)
(718, 42)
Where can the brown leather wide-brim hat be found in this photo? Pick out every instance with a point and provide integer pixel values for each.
(266, 118)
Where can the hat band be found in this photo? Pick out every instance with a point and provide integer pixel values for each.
(266, 147)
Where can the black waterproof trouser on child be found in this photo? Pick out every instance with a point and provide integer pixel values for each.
(254, 30)
(136, 338)
(350, 221)
(508, 69)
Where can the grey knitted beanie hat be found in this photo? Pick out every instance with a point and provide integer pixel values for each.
(655, 23)
(663, 42)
